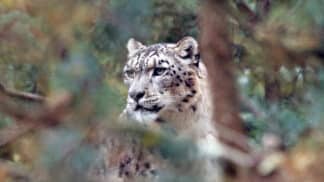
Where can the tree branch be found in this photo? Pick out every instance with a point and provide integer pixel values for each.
(49, 113)
(246, 10)
(21, 95)
(13, 132)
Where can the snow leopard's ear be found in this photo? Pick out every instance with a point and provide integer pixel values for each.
(187, 49)
(133, 46)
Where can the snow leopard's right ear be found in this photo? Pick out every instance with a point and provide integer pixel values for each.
(133, 46)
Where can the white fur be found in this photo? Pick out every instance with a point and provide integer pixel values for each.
(198, 126)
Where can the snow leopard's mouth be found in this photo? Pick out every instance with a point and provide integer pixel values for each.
(154, 109)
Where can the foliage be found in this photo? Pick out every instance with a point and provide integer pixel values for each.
(280, 66)
(78, 47)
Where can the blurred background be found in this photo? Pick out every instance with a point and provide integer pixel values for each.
(73, 52)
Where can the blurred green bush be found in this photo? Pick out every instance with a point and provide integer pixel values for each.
(50, 47)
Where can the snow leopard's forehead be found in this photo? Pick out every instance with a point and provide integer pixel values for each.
(151, 56)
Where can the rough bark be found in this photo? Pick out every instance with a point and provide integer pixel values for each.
(216, 53)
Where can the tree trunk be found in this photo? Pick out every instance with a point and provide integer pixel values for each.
(216, 54)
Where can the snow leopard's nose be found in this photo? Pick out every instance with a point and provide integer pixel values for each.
(137, 95)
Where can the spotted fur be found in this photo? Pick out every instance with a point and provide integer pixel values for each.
(168, 85)
(166, 74)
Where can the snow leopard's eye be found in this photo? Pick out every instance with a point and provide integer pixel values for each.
(159, 71)
(129, 74)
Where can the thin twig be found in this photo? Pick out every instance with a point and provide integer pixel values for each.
(252, 107)
(246, 10)
(21, 95)
(232, 136)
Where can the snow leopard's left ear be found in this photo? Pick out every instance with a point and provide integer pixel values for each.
(133, 46)
(188, 50)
